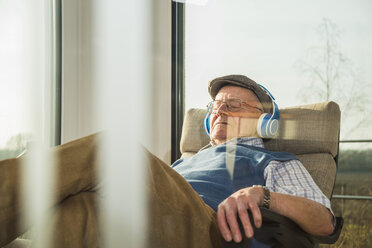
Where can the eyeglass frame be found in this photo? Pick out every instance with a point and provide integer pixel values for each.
(228, 107)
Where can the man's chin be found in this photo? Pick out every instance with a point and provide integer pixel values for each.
(222, 134)
(218, 138)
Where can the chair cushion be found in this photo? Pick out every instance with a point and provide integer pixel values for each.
(308, 129)
(193, 135)
(322, 168)
(303, 129)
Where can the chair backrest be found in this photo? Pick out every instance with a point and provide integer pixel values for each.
(311, 132)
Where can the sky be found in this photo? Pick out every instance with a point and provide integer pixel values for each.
(266, 40)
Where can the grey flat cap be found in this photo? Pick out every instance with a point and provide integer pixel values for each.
(240, 80)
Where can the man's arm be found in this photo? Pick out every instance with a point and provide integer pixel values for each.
(311, 216)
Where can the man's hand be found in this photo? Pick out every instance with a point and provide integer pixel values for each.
(238, 204)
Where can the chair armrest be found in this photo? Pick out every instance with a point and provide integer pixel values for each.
(283, 231)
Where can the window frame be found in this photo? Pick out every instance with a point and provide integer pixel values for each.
(178, 77)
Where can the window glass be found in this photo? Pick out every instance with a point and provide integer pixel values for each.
(26, 86)
(353, 195)
(357, 231)
(13, 54)
(303, 51)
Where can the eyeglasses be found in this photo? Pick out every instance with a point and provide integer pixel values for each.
(232, 105)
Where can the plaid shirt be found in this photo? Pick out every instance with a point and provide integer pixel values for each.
(288, 177)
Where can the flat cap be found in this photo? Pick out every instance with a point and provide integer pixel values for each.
(240, 80)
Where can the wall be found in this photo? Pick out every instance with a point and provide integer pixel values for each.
(77, 88)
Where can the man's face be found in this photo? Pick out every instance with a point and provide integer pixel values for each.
(226, 124)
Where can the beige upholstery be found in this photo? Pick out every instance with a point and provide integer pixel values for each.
(310, 131)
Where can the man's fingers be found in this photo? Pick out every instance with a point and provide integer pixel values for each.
(257, 217)
(231, 210)
(244, 218)
(222, 224)
(231, 215)
(237, 206)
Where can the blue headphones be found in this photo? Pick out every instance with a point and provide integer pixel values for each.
(267, 125)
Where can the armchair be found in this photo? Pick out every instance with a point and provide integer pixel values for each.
(311, 132)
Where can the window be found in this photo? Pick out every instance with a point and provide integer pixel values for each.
(15, 132)
(303, 52)
(29, 82)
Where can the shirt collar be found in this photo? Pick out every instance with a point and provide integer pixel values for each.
(251, 141)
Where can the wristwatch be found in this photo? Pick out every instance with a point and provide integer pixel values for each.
(266, 196)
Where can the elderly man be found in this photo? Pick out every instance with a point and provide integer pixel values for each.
(196, 200)
(238, 103)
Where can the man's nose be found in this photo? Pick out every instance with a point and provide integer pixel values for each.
(222, 109)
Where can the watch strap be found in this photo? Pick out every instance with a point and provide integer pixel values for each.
(266, 196)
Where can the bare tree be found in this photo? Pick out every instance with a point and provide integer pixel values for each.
(333, 77)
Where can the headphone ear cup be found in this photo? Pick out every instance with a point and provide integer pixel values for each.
(274, 127)
(206, 123)
(262, 124)
(267, 126)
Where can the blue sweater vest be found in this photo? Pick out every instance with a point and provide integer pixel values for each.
(209, 174)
